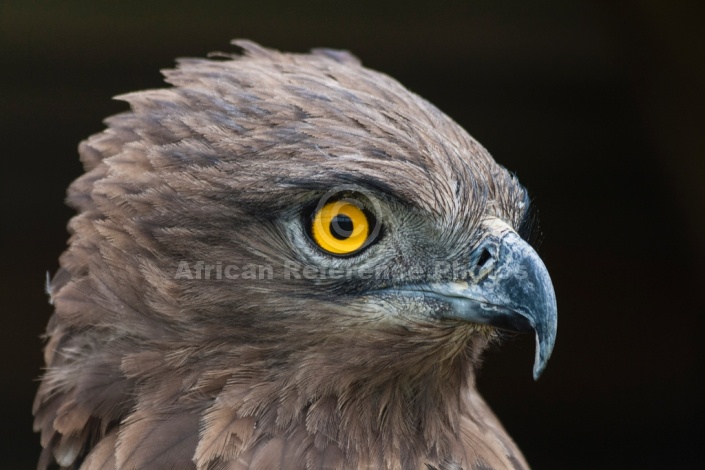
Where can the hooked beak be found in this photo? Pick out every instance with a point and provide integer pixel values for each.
(507, 287)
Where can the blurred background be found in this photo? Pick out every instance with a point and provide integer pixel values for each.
(597, 106)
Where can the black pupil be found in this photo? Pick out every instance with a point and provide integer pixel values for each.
(341, 227)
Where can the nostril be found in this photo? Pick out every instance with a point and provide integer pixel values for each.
(484, 258)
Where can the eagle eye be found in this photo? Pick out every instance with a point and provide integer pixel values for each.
(341, 227)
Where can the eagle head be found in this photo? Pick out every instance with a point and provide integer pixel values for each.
(285, 261)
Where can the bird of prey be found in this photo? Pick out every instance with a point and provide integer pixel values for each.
(285, 261)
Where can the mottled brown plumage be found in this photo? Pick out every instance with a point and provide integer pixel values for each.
(147, 369)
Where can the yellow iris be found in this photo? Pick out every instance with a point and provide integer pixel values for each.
(340, 227)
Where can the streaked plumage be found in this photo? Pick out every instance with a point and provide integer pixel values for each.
(147, 369)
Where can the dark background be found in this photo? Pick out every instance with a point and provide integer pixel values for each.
(597, 106)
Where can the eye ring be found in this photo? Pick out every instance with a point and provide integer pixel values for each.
(341, 227)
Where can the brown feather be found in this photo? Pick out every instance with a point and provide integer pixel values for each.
(102, 456)
(149, 441)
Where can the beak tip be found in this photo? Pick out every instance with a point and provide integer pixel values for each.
(539, 367)
(544, 348)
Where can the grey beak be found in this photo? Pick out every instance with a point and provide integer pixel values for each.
(509, 288)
